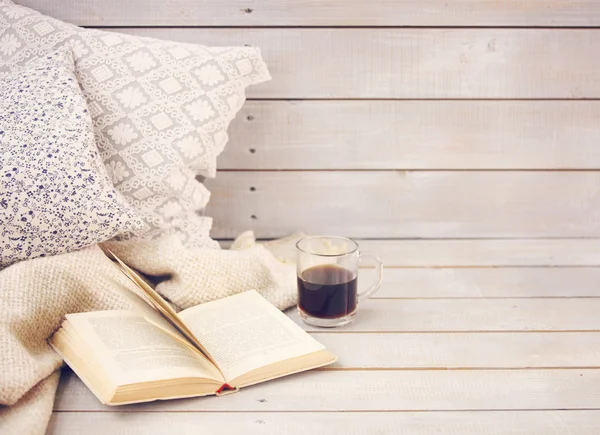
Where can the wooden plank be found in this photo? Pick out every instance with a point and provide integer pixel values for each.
(483, 253)
(457, 315)
(407, 204)
(485, 282)
(463, 351)
(324, 13)
(448, 253)
(414, 135)
(413, 63)
(302, 423)
(409, 390)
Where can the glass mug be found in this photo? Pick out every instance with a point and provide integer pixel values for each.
(327, 270)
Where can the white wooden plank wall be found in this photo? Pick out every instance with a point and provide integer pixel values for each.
(411, 63)
(401, 134)
(322, 13)
(461, 85)
(459, 140)
(408, 204)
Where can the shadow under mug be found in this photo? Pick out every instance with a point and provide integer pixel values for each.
(327, 269)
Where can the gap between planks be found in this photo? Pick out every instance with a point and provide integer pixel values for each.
(408, 170)
(447, 369)
(467, 298)
(317, 411)
(383, 99)
(471, 331)
(325, 27)
(358, 411)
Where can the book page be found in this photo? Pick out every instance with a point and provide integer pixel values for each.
(133, 350)
(245, 332)
(144, 307)
(156, 301)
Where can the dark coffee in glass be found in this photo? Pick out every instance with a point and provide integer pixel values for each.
(327, 292)
(327, 271)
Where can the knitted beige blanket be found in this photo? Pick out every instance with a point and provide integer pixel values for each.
(35, 295)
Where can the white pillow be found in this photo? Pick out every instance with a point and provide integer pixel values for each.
(160, 109)
(55, 195)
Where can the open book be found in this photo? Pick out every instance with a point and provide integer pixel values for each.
(154, 353)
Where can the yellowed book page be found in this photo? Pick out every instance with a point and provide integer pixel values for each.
(143, 306)
(132, 350)
(245, 332)
(162, 306)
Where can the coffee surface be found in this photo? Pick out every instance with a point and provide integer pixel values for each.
(327, 291)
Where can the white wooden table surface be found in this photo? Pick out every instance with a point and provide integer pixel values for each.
(466, 337)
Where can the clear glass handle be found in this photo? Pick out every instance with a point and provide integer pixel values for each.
(379, 266)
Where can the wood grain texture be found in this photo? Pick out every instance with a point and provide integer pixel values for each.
(485, 282)
(414, 135)
(412, 390)
(438, 285)
(409, 63)
(464, 315)
(381, 423)
(484, 253)
(407, 204)
(463, 351)
(324, 13)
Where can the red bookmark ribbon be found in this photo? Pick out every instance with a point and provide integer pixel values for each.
(225, 388)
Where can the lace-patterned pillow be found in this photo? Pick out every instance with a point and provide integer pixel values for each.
(55, 194)
(161, 110)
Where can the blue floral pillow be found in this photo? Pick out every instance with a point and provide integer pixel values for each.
(55, 194)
